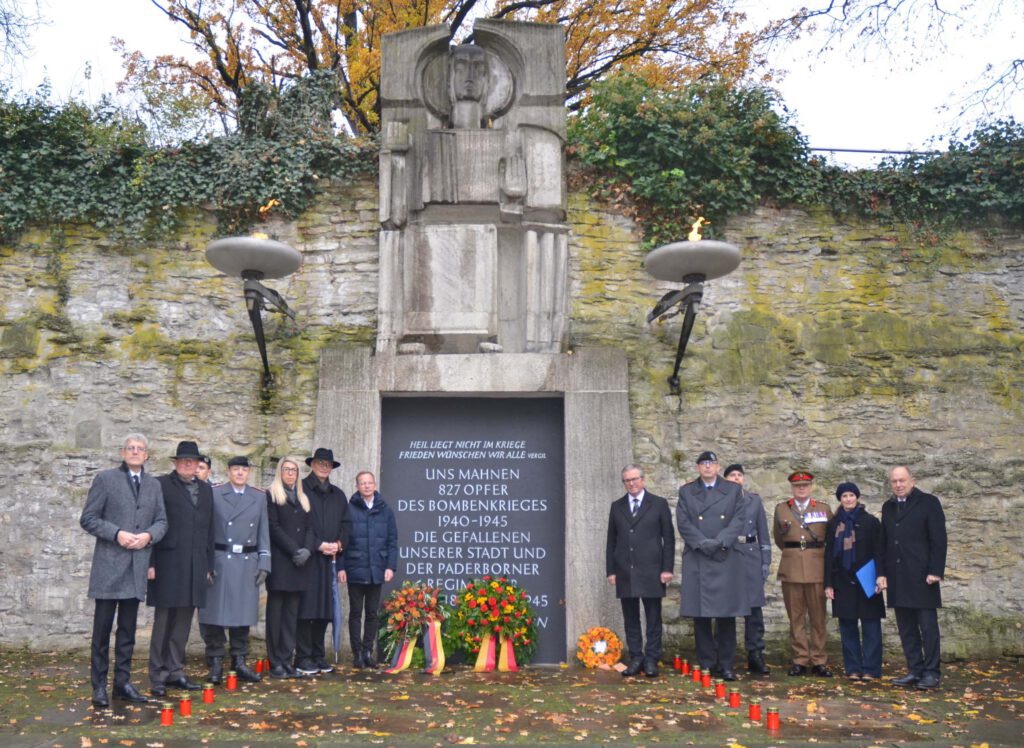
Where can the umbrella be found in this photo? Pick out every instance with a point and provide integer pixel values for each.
(335, 609)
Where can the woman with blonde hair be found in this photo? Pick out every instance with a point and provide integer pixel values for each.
(291, 545)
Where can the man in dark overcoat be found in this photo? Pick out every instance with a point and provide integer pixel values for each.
(125, 512)
(914, 563)
(179, 569)
(639, 560)
(755, 544)
(711, 516)
(241, 562)
(332, 527)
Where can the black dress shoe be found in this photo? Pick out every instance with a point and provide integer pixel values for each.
(756, 664)
(128, 692)
(728, 675)
(292, 672)
(184, 683)
(100, 700)
(279, 671)
(798, 670)
(821, 671)
(907, 680)
(928, 681)
(159, 690)
(369, 660)
(634, 669)
(651, 668)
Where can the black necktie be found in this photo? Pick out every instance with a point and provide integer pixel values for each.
(636, 506)
(135, 484)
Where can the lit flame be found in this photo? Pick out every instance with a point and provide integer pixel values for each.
(694, 235)
(269, 206)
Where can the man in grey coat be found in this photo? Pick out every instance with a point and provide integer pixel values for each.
(710, 518)
(639, 557)
(241, 562)
(125, 512)
(755, 544)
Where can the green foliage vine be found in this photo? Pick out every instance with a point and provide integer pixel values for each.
(716, 151)
(72, 163)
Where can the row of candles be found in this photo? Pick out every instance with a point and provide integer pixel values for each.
(185, 704)
(771, 718)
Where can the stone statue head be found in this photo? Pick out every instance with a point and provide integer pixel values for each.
(468, 74)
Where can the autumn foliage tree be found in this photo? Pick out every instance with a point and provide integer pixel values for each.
(275, 42)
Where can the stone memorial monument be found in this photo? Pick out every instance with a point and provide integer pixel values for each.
(473, 247)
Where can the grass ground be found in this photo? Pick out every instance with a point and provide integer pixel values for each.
(44, 702)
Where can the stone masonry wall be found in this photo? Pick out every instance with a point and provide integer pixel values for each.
(839, 348)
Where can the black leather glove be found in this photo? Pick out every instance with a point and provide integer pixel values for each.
(709, 546)
(300, 557)
(261, 577)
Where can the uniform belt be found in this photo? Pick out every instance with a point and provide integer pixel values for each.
(805, 544)
(235, 548)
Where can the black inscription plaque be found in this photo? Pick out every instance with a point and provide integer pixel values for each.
(478, 487)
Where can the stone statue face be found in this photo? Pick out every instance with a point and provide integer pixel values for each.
(468, 73)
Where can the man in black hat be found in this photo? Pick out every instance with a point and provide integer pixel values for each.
(332, 527)
(799, 530)
(179, 569)
(710, 517)
(755, 545)
(241, 562)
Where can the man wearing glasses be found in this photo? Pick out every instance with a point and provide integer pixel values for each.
(639, 560)
(125, 512)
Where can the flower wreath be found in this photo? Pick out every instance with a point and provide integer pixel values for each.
(496, 606)
(411, 612)
(599, 648)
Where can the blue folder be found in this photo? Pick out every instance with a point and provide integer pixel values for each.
(867, 575)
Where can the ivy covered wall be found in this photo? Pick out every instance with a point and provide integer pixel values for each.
(842, 348)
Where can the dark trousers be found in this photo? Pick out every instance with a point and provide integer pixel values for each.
(862, 648)
(753, 631)
(216, 638)
(282, 625)
(919, 635)
(127, 611)
(631, 622)
(309, 641)
(716, 642)
(171, 628)
(362, 635)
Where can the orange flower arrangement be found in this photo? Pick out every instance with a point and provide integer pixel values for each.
(599, 648)
(411, 607)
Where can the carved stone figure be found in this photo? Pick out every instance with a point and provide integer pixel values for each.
(472, 191)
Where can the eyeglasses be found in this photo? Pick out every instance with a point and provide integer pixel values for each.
(289, 470)
(707, 463)
(135, 448)
(632, 480)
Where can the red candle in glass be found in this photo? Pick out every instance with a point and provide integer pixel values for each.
(734, 698)
(696, 674)
(685, 669)
(166, 714)
(677, 664)
(185, 706)
(719, 689)
(755, 710)
(266, 664)
(207, 693)
(232, 681)
(705, 680)
(773, 722)
(259, 666)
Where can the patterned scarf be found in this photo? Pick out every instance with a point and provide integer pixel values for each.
(845, 544)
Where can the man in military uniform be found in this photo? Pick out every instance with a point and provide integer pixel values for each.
(799, 530)
(241, 535)
(756, 547)
(710, 518)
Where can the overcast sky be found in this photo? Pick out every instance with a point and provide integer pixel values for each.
(845, 99)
